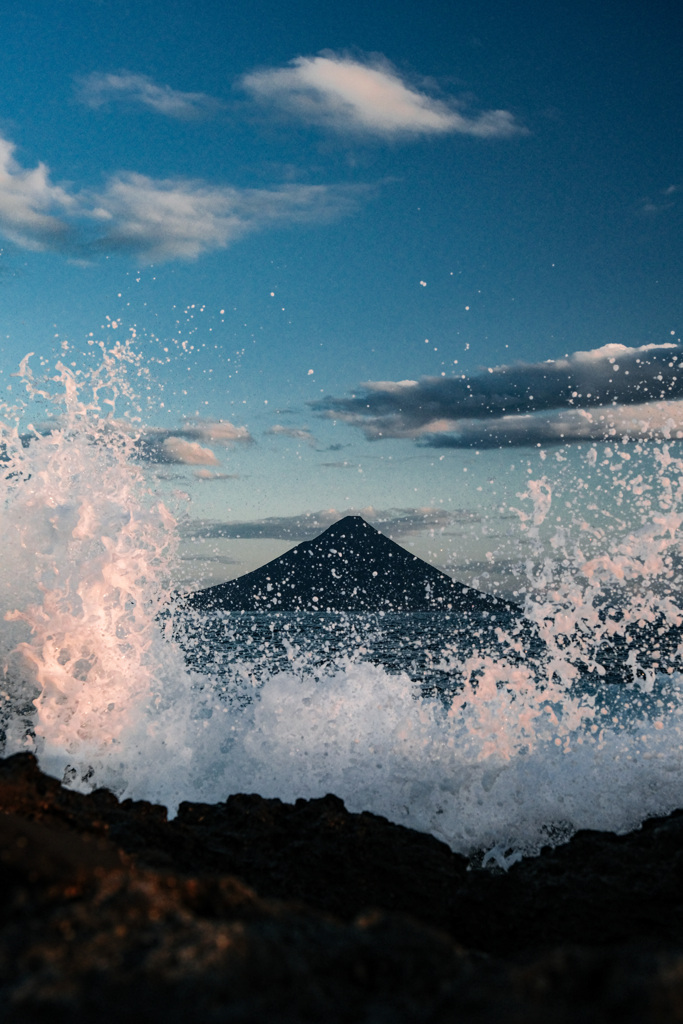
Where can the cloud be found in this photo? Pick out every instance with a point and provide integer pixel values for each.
(656, 206)
(659, 419)
(217, 431)
(149, 218)
(32, 209)
(184, 445)
(394, 522)
(190, 453)
(213, 558)
(612, 390)
(208, 475)
(99, 89)
(368, 98)
(297, 434)
(181, 219)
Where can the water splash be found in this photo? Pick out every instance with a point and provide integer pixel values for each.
(577, 725)
(89, 682)
(610, 591)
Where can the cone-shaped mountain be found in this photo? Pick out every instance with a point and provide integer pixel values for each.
(349, 567)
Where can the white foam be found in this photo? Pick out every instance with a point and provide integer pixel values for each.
(96, 685)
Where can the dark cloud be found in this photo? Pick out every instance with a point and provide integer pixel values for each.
(624, 422)
(613, 390)
(295, 433)
(394, 522)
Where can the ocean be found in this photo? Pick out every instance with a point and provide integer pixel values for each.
(497, 741)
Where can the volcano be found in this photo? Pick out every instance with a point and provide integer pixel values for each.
(350, 567)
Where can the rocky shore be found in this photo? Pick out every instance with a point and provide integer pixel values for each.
(257, 911)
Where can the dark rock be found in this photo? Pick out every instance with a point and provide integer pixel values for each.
(253, 910)
(349, 567)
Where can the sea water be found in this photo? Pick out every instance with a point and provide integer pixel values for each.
(499, 741)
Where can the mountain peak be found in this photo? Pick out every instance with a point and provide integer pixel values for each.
(349, 523)
(351, 566)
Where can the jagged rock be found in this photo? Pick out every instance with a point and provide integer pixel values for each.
(253, 910)
(349, 567)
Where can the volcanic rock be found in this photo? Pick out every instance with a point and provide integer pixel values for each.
(252, 910)
(349, 567)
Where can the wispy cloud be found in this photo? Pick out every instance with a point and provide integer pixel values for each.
(368, 97)
(181, 219)
(296, 433)
(610, 391)
(208, 475)
(658, 205)
(401, 522)
(100, 89)
(200, 556)
(149, 218)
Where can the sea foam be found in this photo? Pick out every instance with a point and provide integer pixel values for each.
(522, 753)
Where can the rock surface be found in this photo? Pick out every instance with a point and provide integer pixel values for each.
(252, 910)
(351, 566)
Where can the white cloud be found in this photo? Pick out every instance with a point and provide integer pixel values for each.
(391, 387)
(31, 207)
(218, 431)
(369, 98)
(181, 219)
(149, 218)
(98, 89)
(184, 445)
(168, 219)
(189, 453)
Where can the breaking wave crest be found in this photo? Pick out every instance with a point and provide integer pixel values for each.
(578, 723)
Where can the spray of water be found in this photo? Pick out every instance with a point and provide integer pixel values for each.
(89, 682)
(572, 727)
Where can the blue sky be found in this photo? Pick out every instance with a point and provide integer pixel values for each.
(348, 242)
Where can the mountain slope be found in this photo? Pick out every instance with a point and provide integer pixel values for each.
(349, 567)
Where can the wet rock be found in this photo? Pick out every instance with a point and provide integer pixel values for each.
(255, 910)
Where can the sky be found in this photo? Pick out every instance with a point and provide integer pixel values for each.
(382, 259)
